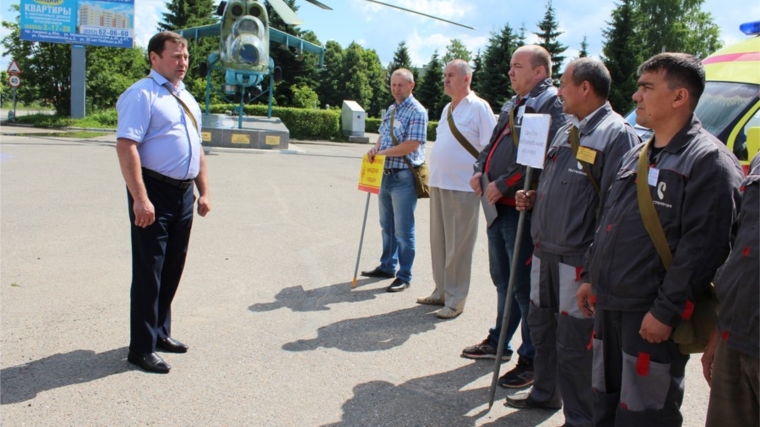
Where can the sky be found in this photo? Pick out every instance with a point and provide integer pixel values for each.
(382, 28)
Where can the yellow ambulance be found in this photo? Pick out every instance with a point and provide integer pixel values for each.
(730, 105)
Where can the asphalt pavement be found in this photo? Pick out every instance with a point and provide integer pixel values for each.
(277, 335)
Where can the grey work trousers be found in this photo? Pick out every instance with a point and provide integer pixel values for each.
(735, 389)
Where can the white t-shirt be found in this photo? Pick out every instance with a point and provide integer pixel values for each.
(450, 164)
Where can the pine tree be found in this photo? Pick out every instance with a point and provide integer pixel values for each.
(493, 81)
(549, 32)
(584, 48)
(430, 90)
(456, 50)
(477, 69)
(622, 55)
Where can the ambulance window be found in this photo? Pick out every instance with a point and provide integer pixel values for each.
(721, 102)
(740, 145)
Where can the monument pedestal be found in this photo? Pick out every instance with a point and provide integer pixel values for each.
(221, 130)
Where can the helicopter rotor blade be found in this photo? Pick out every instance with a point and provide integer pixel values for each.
(286, 13)
(419, 13)
(320, 4)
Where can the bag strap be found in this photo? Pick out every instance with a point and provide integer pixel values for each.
(575, 142)
(458, 135)
(184, 106)
(395, 141)
(515, 138)
(648, 212)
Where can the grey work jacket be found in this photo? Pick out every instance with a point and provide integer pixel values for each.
(696, 196)
(501, 153)
(565, 212)
(738, 280)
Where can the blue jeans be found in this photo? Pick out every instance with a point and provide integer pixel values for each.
(501, 245)
(398, 200)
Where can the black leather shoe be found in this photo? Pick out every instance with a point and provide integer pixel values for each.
(397, 285)
(150, 362)
(378, 273)
(171, 345)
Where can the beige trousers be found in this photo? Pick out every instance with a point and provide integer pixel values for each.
(453, 231)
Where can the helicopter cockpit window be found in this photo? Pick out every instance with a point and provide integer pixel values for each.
(255, 10)
(248, 25)
(236, 10)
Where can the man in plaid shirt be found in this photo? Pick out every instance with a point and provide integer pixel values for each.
(407, 119)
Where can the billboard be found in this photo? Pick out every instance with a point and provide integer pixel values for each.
(87, 22)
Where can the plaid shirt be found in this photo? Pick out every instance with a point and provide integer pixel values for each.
(410, 123)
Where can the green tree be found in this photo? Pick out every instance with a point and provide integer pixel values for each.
(622, 54)
(477, 68)
(493, 81)
(330, 88)
(429, 91)
(376, 76)
(187, 14)
(675, 26)
(548, 35)
(456, 50)
(401, 59)
(355, 78)
(46, 67)
(584, 48)
(110, 71)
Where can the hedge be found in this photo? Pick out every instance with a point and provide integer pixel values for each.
(372, 125)
(302, 123)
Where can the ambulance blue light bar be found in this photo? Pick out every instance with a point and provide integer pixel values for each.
(750, 28)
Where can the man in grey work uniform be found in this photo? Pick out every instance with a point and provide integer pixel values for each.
(693, 180)
(529, 74)
(159, 148)
(731, 361)
(580, 166)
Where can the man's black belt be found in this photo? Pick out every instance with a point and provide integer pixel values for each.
(391, 171)
(181, 184)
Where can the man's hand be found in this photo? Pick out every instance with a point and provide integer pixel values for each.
(372, 153)
(525, 200)
(653, 330)
(204, 205)
(145, 213)
(586, 299)
(475, 183)
(709, 356)
(493, 193)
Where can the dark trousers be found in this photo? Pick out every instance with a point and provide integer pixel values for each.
(158, 258)
(636, 383)
(735, 391)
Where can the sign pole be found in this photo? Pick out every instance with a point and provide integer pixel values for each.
(12, 113)
(508, 297)
(361, 242)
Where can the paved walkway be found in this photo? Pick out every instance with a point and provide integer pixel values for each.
(277, 335)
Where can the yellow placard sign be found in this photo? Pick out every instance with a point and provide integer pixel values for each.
(206, 136)
(586, 155)
(241, 138)
(272, 140)
(372, 174)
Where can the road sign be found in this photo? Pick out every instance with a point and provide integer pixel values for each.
(14, 68)
(14, 81)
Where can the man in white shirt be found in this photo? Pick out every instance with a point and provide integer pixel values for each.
(464, 129)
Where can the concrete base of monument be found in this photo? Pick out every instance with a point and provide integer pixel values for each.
(222, 130)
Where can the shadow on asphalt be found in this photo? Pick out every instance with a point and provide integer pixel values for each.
(435, 400)
(374, 333)
(23, 382)
(298, 299)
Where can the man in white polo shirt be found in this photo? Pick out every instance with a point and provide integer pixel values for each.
(464, 129)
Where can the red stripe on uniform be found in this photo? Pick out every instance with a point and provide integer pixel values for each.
(733, 57)
(578, 271)
(591, 341)
(724, 336)
(688, 310)
(642, 364)
(609, 227)
(514, 178)
(564, 313)
(592, 298)
(746, 251)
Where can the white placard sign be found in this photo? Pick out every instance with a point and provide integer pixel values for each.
(533, 136)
